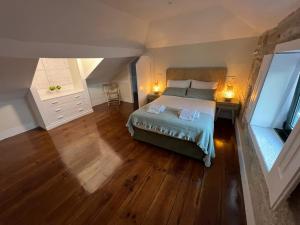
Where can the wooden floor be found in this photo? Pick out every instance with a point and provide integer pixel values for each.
(90, 171)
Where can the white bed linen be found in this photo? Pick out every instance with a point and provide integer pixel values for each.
(200, 105)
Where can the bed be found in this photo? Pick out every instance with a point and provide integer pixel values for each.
(166, 130)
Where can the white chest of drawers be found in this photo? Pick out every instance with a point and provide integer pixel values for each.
(53, 112)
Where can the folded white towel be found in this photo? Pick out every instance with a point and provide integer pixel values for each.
(156, 108)
(190, 115)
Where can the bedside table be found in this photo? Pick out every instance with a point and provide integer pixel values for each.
(152, 97)
(233, 107)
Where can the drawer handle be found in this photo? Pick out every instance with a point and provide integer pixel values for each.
(77, 96)
(55, 102)
(80, 110)
(78, 103)
(58, 110)
(60, 117)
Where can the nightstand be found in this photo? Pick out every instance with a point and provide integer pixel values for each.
(152, 97)
(232, 106)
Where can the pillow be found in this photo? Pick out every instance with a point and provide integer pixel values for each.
(206, 94)
(179, 83)
(173, 91)
(204, 85)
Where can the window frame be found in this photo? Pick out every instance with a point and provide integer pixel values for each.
(284, 175)
(288, 124)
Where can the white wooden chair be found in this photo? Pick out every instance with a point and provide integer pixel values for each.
(112, 93)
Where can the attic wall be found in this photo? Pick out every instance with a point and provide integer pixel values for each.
(235, 54)
(288, 212)
(16, 75)
(108, 70)
(123, 79)
(16, 117)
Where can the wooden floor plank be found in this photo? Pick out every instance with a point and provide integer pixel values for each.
(134, 210)
(187, 202)
(91, 171)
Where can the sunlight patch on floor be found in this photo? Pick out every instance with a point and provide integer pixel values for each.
(93, 166)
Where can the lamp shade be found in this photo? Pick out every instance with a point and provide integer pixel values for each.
(156, 88)
(229, 93)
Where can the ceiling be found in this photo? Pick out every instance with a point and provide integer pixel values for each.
(44, 27)
(151, 10)
(120, 29)
(178, 22)
(108, 69)
(260, 13)
(41, 28)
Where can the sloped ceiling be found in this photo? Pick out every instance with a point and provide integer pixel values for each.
(159, 9)
(80, 25)
(178, 22)
(208, 25)
(119, 29)
(46, 27)
(107, 69)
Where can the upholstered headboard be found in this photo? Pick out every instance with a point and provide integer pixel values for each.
(208, 74)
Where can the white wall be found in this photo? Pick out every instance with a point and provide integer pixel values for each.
(110, 69)
(16, 75)
(124, 81)
(97, 94)
(88, 65)
(52, 72)
(144, 77)
(235, 54)
(16, 117)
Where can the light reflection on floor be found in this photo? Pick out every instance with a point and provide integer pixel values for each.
(93, 166)
(219, 143)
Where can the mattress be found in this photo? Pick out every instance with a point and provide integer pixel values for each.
(199, 131)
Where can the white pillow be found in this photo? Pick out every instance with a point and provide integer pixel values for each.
(204, 85)
(179, 83)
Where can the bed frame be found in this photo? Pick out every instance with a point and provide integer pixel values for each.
(190, 149)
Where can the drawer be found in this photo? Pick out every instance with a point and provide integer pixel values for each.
(63, 100)
(67, 110)
(77, 96)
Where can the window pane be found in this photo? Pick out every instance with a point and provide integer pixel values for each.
(296, 115)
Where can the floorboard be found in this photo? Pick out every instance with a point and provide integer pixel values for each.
(90, 171)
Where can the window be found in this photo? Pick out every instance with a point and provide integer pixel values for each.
(293, 115)
(275, 103)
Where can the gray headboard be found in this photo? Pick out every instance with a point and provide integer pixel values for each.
(208, 74)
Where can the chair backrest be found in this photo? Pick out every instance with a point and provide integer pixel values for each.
(111, 88)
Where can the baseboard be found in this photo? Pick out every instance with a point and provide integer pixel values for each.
(17, 130)
(126, 99)
(245, 184)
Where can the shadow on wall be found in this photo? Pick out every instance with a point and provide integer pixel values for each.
(16, 77)
(16, 117)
